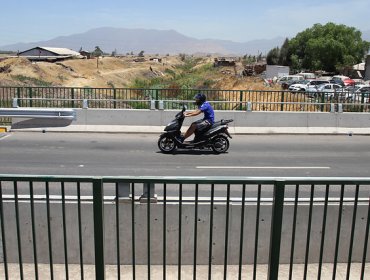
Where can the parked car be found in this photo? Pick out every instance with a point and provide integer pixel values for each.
(349, 82)
(356, 88)
(342, 80)
(360, 94)
(305, 85)
(308, 76)
(328, 89)
(287, 84)
(290, 78)
(299, 85)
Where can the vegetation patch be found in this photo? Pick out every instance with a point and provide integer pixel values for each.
(31, 80)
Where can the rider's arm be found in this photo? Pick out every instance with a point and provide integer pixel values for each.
(192, 114)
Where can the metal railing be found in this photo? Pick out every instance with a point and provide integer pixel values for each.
(38, 113)
(122, 98)
(184, 221)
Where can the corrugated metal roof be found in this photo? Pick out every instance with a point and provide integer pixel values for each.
(61, 51)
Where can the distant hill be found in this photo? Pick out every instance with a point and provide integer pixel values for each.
(151, 41)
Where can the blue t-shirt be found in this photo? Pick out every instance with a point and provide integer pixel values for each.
(207, 109)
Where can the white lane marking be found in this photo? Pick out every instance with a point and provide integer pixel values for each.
(263, 167)
(5, 136)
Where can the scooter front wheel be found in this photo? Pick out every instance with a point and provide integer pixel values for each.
(220, 144)
(166, 144)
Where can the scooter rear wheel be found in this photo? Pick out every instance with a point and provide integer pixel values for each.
(166, 144)
(220, 144)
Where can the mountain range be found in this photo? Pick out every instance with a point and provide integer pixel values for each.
(150, 41)
(123, 40)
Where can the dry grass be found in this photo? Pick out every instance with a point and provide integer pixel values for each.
(111, 72)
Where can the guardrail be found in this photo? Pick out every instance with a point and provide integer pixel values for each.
(227, 221)
(122, 98)
(54, 113)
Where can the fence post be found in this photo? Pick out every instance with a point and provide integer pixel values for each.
(241, 101)
(276, 226)
(85, 104)
(249, 106)
(18, 96)
(73, 97)
(161, 105)
(148, 193)
(156, 99)
(98, 207)
(30, 95)
(15, 103)
(152, 104)
(322, 101)
(115, 98)
(282, 101)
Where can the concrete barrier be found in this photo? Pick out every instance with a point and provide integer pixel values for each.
(128, 120)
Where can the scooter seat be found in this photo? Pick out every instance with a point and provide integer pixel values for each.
(215, 124)
(221, 122)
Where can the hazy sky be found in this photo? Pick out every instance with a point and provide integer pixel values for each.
(236, 20)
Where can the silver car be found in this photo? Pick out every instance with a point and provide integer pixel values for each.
(306, 85)
(328, 89)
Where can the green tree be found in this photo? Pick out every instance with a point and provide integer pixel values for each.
(273, 56)
(284, 55)
(97, 51)
(327, 47)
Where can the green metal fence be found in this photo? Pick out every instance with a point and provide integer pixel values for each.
(27, 233)
(120, 98)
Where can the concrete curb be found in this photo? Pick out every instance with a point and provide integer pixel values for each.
(153, 121)
(232, 130)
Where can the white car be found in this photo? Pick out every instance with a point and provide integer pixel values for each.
(306, 85)
(299, 85)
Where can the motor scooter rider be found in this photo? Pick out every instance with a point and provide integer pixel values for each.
(199, 125)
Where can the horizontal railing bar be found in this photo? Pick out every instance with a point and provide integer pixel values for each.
(82, 99)
(36, 112)
(241, 180)
(46, 178)
(189, 101)
(191, 180)
(172, 199)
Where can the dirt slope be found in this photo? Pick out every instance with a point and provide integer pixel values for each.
(109, 72)
(104, 72)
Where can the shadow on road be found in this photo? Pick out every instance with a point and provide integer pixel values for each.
(191, 152)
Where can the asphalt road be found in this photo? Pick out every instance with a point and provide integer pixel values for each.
(129, 154)
(138, 155)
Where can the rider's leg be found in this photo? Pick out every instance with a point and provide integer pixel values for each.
(190, 130)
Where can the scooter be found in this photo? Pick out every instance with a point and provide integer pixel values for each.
(214, 137)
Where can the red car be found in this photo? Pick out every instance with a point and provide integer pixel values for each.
(348, 82)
